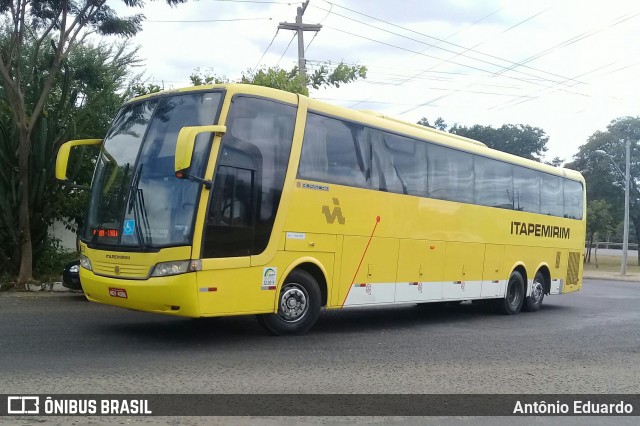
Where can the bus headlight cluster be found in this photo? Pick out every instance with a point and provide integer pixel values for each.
(170, 268)
(85, 262)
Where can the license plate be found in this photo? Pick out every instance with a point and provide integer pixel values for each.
(118, 292)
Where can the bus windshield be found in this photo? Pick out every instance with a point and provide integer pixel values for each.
(136, 200)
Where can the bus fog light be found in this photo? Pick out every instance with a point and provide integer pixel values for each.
(85, 263)
(170, 268)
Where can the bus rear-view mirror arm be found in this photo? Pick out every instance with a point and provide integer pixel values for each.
(184, 150)
(62, 159)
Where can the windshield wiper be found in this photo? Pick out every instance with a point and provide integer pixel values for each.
(136, 203)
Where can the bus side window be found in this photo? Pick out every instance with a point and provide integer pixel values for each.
(231, 202)
(335, 151)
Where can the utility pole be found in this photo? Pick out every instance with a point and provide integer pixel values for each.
(300, 28)
(625, 237)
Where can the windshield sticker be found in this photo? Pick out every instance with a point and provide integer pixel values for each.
(269, 276)
(129, 227)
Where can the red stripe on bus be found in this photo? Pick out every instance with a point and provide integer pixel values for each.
(361, 259)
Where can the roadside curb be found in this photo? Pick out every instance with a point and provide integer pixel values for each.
(628, 278)
(43, 289)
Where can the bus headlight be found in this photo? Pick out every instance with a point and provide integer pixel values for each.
(85, 262)
(170, 268)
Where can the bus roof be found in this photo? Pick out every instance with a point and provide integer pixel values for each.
(379, 120)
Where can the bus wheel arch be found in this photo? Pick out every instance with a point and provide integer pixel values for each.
(540, 286)
(515, 292)
(319, 275)
(300, 297)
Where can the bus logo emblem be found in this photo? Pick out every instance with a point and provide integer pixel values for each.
(336, 213)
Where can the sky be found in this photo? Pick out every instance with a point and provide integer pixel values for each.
(568, 67)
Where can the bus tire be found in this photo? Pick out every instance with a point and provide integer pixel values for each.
(299, 304)
(514, 297)
(532, 303)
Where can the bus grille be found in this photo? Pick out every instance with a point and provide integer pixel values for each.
(123, 271)
(573, 268)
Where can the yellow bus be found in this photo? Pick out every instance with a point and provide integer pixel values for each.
(238, 199)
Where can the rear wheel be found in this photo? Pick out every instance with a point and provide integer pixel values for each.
(299, 306)
(533, 302)
(514, 297)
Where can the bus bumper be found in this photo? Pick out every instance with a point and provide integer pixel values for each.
(173, 295)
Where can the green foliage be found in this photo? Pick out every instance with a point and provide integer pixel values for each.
(81, 104)
(53, 259)
(604, 180)
(438, 124)
(37, 39)
(276, 78)
(200, 78)
(600, 222)
(556, 162)
(288, 80)
(518, 139)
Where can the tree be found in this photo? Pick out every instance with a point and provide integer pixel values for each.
(556, 162)
(31, 27)
(599, 222)
(518, 139)
(288, 80)
(82, 102)
(604, 180)
(438, 124)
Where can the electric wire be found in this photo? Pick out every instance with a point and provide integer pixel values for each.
(207, 20)
(285, 50)
(443, 41)
(540, 54)
(265, 51)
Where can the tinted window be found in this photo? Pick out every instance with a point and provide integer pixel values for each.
(551, 196)
(254, 157)
(494, 185)
(572, 199)
(399, 164)
(450, 174)
(526, 190)
(334, 151)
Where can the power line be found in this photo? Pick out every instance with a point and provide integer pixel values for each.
(435, 57)
(540, 54)
(316, 33)
(210, 20)
(621, 19)
(465, 49)
(265, 51)
(263, 2)
(285, 50)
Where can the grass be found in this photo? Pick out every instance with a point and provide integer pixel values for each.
(612, 264)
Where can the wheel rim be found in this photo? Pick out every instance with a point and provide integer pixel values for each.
(513, 297)
(294, 303)
(537, 291)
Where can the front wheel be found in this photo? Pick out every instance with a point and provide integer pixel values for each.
(513, 299)
(532, 303)
(299, 306)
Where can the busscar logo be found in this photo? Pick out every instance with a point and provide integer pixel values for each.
(23, 405)
(336, 213)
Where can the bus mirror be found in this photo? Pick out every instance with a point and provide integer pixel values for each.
(185, 144)
(62, 159)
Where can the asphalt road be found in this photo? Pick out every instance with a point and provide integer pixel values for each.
(588, 342)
